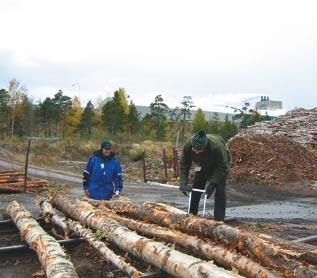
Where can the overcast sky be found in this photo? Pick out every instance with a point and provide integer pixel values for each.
(219, 52)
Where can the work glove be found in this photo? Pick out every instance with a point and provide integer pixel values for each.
(116, 194)
(185, 188)
(210, 188)
(86, 193)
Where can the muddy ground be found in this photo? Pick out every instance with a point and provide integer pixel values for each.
(288, 212)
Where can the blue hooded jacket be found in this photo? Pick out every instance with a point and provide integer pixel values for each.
(102, 176)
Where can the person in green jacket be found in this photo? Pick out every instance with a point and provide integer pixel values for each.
(211, 166)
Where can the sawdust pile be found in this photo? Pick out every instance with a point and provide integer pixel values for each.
(271, 159)
(299, 124)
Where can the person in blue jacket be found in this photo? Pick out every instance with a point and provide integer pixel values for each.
(102, 176)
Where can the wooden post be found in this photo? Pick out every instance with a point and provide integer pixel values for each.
(165, 165)
(175, 163)
(144, 167)
(26, 165)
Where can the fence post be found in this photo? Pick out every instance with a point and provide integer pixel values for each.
(144, 167)
(175, 163)
(165, 164)
(26, 165)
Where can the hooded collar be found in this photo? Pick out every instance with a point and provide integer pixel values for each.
(100, 154)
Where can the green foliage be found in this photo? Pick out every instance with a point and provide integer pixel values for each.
(137, 156)
(157, 118)
(4, 111)
(87, 120)
(227, 129)
(247, 117)
(114, 114)
(24, 117)
(214, 124)
(199, 121)
(133, 120)
(54, 113)
(185, 115)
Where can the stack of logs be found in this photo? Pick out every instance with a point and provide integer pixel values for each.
(201, 247)
(13, 181)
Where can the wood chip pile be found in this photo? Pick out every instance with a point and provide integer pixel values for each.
(12, 181)
(271, 159)
(277, 152)
(200, 247)
(299, 124)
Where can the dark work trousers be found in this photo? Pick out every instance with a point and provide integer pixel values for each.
(220, 196)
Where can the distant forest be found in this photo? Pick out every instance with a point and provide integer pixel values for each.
(62, 116)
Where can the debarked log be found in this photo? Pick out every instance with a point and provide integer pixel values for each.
(48, 211)
(203, 248)
(50, 253)
(268, 254)
(150, 251)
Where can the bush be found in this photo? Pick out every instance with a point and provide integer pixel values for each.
(137, 156)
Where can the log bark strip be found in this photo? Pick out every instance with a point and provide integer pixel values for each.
(157, 254)
(50, 253)
(61, 221)
(208, 250)
(268, 254)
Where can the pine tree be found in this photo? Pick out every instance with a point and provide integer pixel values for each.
(228, 129)
(199, 121)
(87, 120)
(4, 111)
(114, 116)
(133, 119)
(158, 116)
(185, 114)
(214, 124)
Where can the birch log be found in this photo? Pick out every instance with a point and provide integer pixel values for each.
(50, 253)
(48, 211)
(157, 254)
(265, 252)
(206, 249)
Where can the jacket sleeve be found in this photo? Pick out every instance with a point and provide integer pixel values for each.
(221, 165)
(185, 163)
(87, 173)
(118, 177)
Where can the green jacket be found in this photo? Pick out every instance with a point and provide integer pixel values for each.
(214, 160)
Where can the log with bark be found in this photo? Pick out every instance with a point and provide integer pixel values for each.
(60, 220)
(268, 254)
(32, 186)
(50, 253)
(201, 247)
(11, 173)
(10, 180)
(150, 251)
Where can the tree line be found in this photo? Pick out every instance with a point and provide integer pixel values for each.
(62, 116)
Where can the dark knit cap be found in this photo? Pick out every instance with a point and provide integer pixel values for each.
(106, 144)
(199, 140)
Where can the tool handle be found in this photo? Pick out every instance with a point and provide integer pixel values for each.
(199, 190)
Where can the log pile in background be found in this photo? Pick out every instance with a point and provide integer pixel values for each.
(13, 181)
(232, 248)
(271, 159)
(277, 152)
